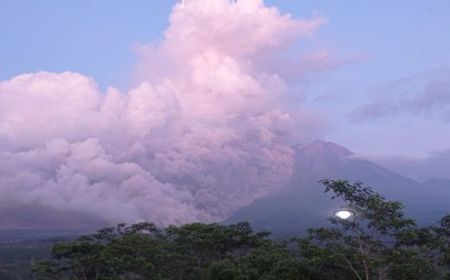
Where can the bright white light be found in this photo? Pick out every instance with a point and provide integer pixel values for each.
(344, 214)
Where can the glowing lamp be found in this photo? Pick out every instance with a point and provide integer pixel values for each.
(344, 214)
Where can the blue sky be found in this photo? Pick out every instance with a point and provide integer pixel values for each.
(95, 38)
(400, 42)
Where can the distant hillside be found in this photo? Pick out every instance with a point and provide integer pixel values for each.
(25, 236)
(303, 204)
(20, 248)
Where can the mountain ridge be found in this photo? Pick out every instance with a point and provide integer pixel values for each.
(303, 203)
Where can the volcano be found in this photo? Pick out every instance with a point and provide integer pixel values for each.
(304, 204)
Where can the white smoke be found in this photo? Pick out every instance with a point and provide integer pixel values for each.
(206, 130)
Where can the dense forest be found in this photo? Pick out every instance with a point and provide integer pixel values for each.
(377, 242)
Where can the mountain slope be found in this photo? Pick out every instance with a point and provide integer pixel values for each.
(303, 203)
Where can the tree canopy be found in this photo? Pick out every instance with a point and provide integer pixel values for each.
(378, 242)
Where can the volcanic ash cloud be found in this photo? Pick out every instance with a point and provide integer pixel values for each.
(206, 130)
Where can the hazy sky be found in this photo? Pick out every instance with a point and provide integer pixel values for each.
(386, 91)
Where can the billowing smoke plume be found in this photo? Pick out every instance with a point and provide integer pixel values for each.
(206, 130)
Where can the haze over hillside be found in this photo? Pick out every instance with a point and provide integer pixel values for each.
(303, 204)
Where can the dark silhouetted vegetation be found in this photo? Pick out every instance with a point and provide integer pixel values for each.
(378, 242)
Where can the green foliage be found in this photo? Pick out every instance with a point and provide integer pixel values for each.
(143, 251)
(378, 242)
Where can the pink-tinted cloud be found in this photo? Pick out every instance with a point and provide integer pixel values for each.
(206, 130)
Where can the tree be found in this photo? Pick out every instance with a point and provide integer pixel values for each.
(112, 253)
(143, 251)
(378, 242)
